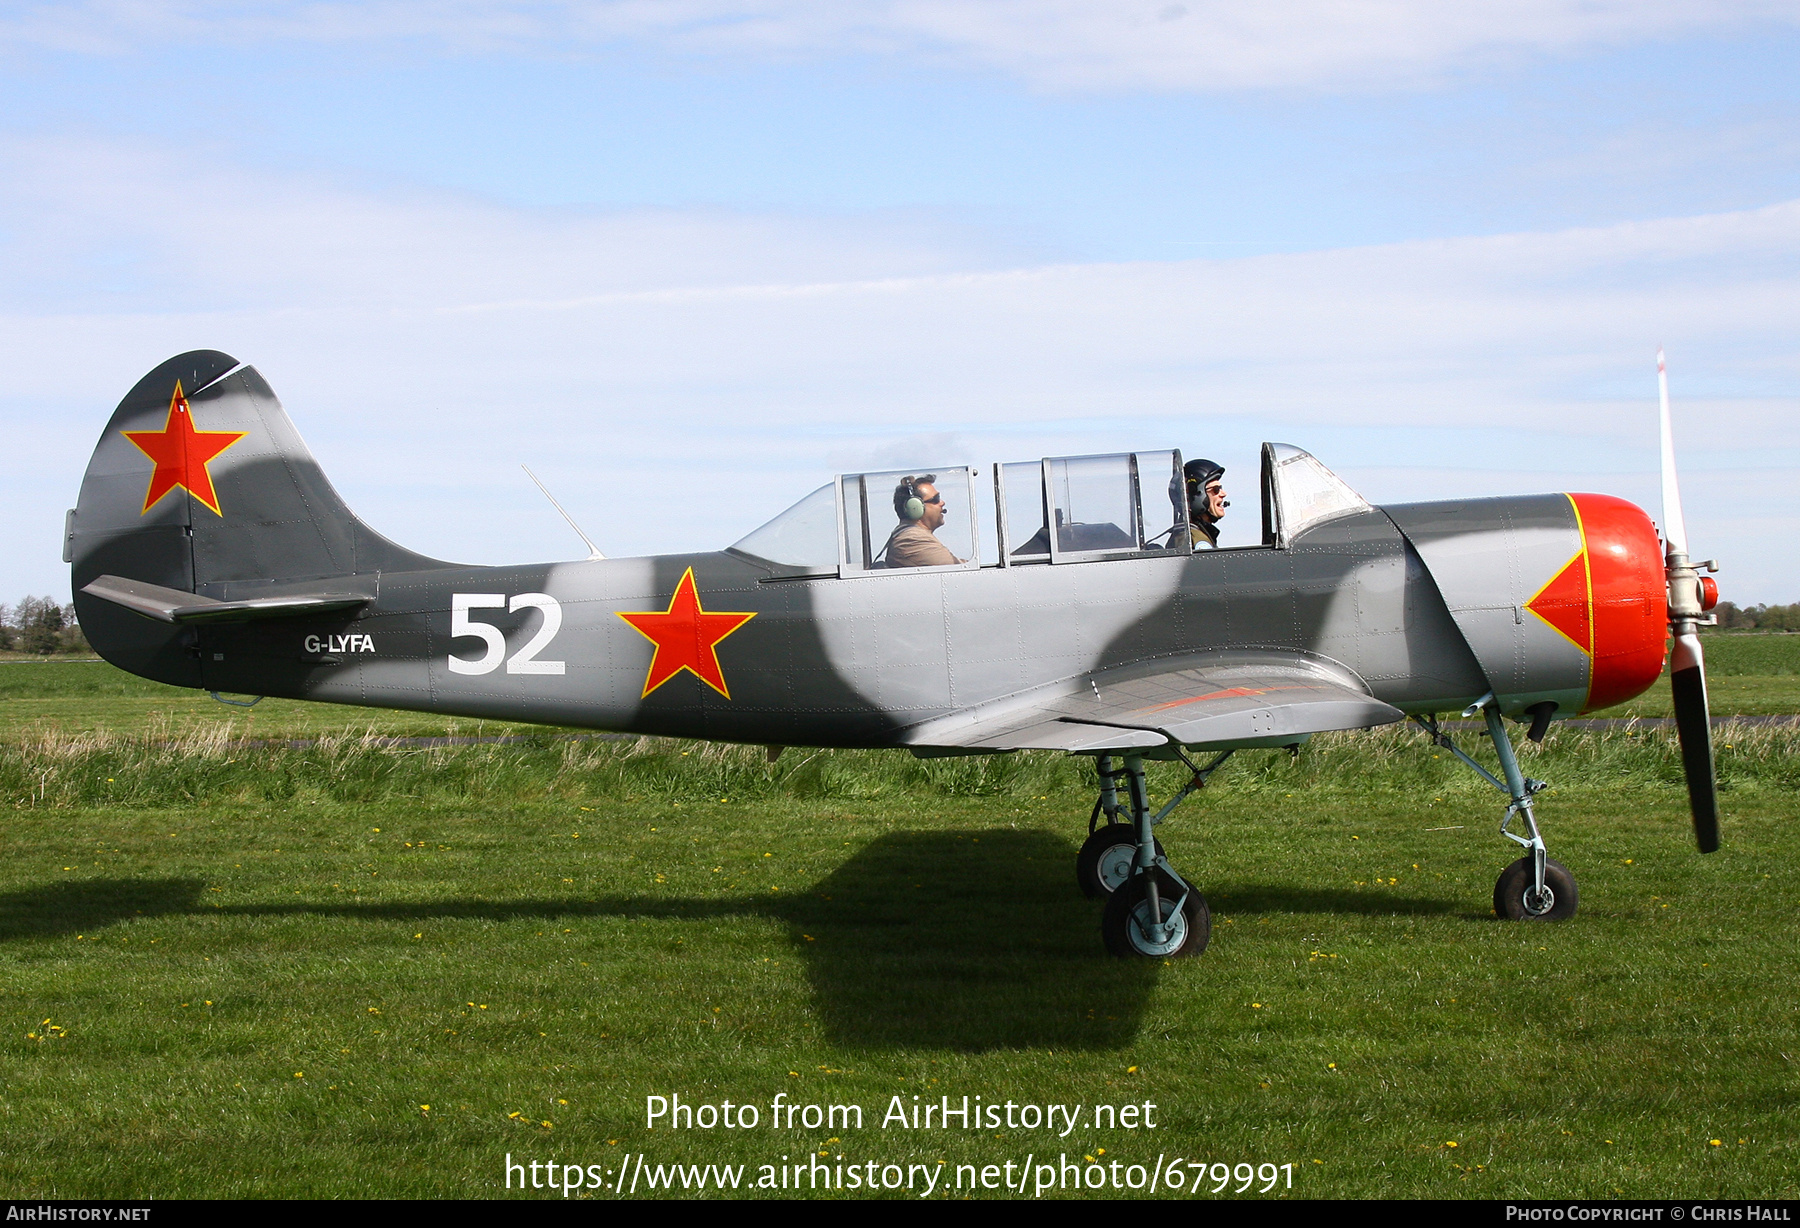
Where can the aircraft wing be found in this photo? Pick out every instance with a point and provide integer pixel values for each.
(1263, 697)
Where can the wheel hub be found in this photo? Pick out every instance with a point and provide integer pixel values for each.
(1115, 865)
(1174, 929)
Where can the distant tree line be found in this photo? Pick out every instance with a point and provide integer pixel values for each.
(1758, 617)
(40, 625)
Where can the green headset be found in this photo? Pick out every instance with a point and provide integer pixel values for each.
(911, 507)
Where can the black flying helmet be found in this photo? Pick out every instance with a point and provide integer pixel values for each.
(1199, 472)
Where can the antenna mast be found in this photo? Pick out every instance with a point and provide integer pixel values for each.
(593, 550)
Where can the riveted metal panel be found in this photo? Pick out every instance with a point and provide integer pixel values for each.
(1489, 558)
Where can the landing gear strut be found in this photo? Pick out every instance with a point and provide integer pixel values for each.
(1106, 859)
(1150, 909)
(1533, 888)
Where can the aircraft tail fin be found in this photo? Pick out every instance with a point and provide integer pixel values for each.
(200, 484)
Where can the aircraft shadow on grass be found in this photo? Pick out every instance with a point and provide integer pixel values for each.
(967, 940)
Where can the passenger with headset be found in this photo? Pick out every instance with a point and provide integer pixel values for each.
(920, 507)
(1206, 501)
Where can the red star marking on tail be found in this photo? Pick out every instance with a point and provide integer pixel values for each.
(686, 637)
(182, 454)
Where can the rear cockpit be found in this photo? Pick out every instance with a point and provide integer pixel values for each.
(1065, 509)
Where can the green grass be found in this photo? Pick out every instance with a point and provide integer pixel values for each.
(258, 964)
(73, 696)
(1751, 652)
(1747, 674)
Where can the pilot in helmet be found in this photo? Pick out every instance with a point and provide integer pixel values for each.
(1206, 501)
(921, 511)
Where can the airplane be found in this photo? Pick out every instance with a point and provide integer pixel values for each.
(1057, 604)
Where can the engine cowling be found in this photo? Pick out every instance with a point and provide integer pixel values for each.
(1560, 597)
(1627, 597)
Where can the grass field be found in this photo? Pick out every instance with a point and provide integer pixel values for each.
(231, 970)
(1747, 674)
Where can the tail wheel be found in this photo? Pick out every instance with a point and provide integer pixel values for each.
(1515, 898)
(1126, 925)
(1106, 859)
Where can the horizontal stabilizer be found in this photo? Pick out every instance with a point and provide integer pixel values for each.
(171, 605)
(1243, 698)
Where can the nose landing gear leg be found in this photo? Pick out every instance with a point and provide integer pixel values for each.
(1533, 888)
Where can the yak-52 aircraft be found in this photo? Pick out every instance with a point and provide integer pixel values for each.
(1055, 604)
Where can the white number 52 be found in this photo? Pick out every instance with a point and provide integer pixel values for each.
(523, 661)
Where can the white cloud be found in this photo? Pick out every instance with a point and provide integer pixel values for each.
(1079, 44)
(95, 223)
(676, 377)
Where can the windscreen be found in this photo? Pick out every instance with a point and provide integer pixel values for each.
(803, 536)
(1306, 492)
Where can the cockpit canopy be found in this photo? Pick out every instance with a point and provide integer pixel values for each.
(1056, 510)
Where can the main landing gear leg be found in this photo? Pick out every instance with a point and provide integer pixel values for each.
(1108, 803)
(1154, 912)
(1110, 852)
(1533, 888)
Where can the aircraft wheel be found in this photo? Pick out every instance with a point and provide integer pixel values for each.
(1125, 924)
(1105, 860)
(1512, 893)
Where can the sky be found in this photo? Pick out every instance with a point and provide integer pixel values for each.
(688, 258)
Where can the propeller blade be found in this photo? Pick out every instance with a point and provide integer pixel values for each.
(1693, 724)
(1687, 664)
(1674, 526)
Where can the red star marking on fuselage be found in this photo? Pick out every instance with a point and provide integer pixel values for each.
(181, 454)
(686, 637)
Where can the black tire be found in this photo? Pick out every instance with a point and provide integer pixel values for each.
(1122, 925)
(1097, 869)
(1515, 883)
